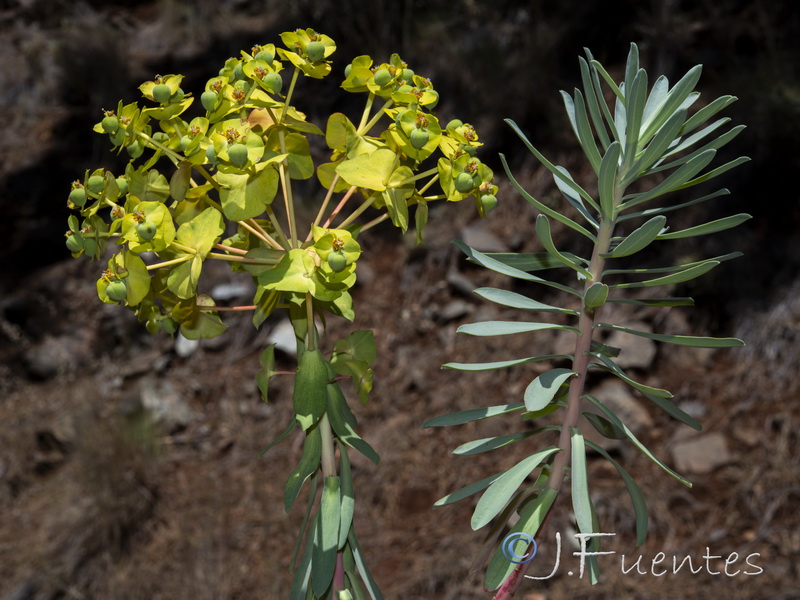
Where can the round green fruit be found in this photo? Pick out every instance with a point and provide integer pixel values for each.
(96, 183)
(435, 100)
(488, 202)
(265, 55)
(117, 291)
(407, 75)
(237, 153)
(134, 150)
(161, 137)
(382, 77)
(147, 230)
(78, 197)
(177, 96)
(347, 70)
(337, 261)
(211, 155)
(122, 184)
(169, 325)
(110, 124)
(454, 124)
(75, 243)
(464, 182)
(238, 72)
(315, 51)
(419, 137)
(185, 141)
(209, 100)
(161, 93)
(274, 82)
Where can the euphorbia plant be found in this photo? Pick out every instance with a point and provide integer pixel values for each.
(219, 186)
(652, 146)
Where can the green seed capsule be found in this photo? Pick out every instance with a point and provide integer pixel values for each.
(135, 149)
(211, 155)
(274, 82)
(454, 124)
(75, 243)
(122, 184)
(419, 137)
(96, 183)
(238, 72)
(110, 124)
(347, 70)
(147, 230)
(161, 137)
(265, 55)
(78, 197)
(337, 261)
(185, 141)
(237, 153)
(169, 325)
(435, 100)
(209, 100)
(382, 77)
(315, 51)
(407, 75)
(177, 96)
(117, 291)
(464, 182)
(488, 202)
(161, 93)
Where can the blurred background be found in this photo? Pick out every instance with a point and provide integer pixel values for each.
(129, 465)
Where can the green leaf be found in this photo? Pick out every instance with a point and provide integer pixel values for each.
(284, 434)
(267, 360)
(593, 103)
(497, 266)
(495, 498)
(674, 100)
(352, 357)
(541, 391)
(343, 426)
(326, 536)
(604, 427)
(299, 587)
(501, 364)
(543, 234)
(312, 497)
(581, 503)
(546, 209)
(202, 324)
(310, 388)
(537, 261)
(655, 150)
(661, 302)
(614, 419)
(202, 232)
(366, 576)
(707, 228)
(347, 496)
(595, 296)
(473, 414)
(467, 491)
(609, 365)
(487, 328)
(607, 178)
(370, 171)
(639, 238)
(673, 411)
(493, 443)
(715, 172)
(705, 113)
(679, 340)
(309, 462)
(679, 277)
(530, 520)
(675, 268)
(246, 195)
(635, 493)
(420, 218)
(574, 199)
(515, 300)
(635, 98)
(576, 110)
(666, 209)
(398, 190)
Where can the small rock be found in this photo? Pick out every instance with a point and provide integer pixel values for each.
(701, 454)
(282, 335)
(636, 351)
(453, 310)
(461, 283)
(225, 292)
(58, 355)
(479, 237)
(166, 405)
(184, 347)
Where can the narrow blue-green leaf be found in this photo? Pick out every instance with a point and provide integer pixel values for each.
(284, 434)
(366, 576)
(674, 181)
(715, 172)
(604, 74)
(604, 349)
(656, 98)
(714, 144)
(665, 209)
(497, 495)
(309, 462)
(607, 179)
(656, 148)
(312, 497)
(546, 209)
(343, 425)
(501, 364)
(634, 109)
(603, 426)
(620, 118)
(674, 268)
(535, 261)
(584, 132)
(612, 417)
(488, 328)
(679, 277)
(593, 104)
(492, 443)
(635, 493)
(545, 238)
(550, 166)
(515, 300)
(672, 409)
(497, 266)
(660, 302)
(473, 414)
(705, 113)
(299, 587)
(679, 340)
(581, 504)
(696, 137)
(574, 199)
(467, 490)
(530, 520)
(354, 585)
(632, 65)
(639, 238)
(609, 365)
(310, 388)
(600, 95)
(347, 496)
(541, 391)
(674, 100)
(326, 540)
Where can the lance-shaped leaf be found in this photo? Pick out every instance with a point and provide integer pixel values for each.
(675, 268)
(593, 104)
(574, 199)
(634, 491)
(672, 409)
(714, 173)
(398, 190)
(635, 98)
(530, 520)
(674, 100)
(541, 391)
(609, 365)
(705, 113)
(309, 462)
(657, 95)
(581, 503)
(495, 498)
(609, 414)
(487, 328)
(639, 238)
(366, 576)
(660, 302)
(467, 491)
(493, 443)
(343, 423)
(370, 171)
(545, 238)
(679, 277)
(604, 427)
(326, 536)
(347, 496)
(299, 589)
(267, 361)
(576, 111)
(501, 364)
(665, 209)
(284, 434)
(515, 300)
(536, 261)
(310, 388)
(679, 340)
(473, 414)
(707, 228)
(310, 505)
(654, 151)
(607, 179)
